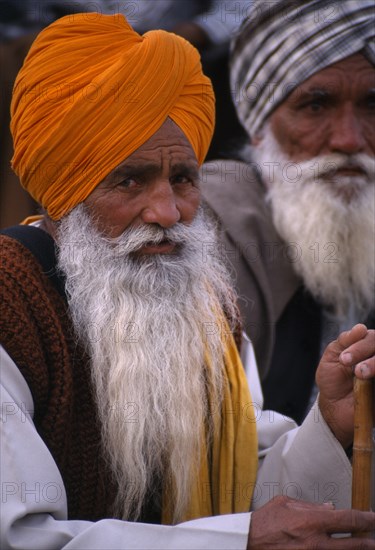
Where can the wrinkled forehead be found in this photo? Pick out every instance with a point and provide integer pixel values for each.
(168, 149)
(352, 77)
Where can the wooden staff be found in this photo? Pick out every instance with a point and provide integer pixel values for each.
(362, 445)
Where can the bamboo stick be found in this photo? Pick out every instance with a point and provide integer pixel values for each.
(362, 445)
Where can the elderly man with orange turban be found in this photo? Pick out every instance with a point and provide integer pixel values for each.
(127, 417)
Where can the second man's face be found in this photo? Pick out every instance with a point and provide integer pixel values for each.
(333, 111)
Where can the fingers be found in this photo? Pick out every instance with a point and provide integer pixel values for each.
(284, 523)
(349, 337)
(349, 521)
(360, 354)
(335, 521)
(366, 369)
(332, 520)
(296, 504)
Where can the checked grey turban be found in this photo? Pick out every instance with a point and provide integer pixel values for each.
(284, 42)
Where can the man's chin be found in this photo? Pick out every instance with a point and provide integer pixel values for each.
(164, 248)
(157, 252)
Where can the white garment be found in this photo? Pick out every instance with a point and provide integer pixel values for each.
(307, 462)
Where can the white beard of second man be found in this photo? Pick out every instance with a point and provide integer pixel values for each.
(333, 234)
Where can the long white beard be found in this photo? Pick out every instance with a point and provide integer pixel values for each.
(333, 237)
(147, 323)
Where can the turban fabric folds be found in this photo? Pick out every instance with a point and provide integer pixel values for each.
(91, 91)
(282, 43)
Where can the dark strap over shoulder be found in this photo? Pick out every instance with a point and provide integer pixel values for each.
(42, 246)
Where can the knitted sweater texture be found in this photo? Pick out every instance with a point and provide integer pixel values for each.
(36, 331)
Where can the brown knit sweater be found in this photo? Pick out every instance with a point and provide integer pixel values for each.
(36, 331)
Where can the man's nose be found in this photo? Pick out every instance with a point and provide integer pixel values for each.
(347, 134)
(161, 207)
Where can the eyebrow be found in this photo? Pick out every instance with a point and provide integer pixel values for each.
(313, 93)
(318, 91)
(186, 169)
(323, 93)
(148, 169)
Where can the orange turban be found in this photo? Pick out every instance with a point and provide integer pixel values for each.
(91, 91)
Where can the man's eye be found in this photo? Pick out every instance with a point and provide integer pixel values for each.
(316, 106)
(180, 178)
(313, 106)
(128, 183)
(313, 103)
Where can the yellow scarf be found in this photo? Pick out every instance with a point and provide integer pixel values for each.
(228, 472)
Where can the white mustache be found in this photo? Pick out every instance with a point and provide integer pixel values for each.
(328, 165)
(134, 238)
